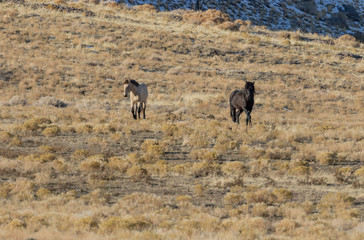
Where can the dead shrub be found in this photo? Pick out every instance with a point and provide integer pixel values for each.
(347, 40)
(145, 8)
(234, 168)
(153, 150)
(79, 154)
(326, 158)
(344, 174)
(205, 155)
(285, 227)
(114, 224)
(137, 173)
(199, 190)
(260, 210)
(263, 195)
(213, 15)
(93, 163)
(233, 199)
(300, 169)
(359, 174)
(283, 195)
(45, 157)
(5, 137)
(170, 130)
(229, 26)
(333, 203)
(183, 199)
(118, 164)
(43, 193)
(51, 131)
(204, 169)
(16, 141)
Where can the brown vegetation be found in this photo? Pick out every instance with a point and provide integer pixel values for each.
(74, 164)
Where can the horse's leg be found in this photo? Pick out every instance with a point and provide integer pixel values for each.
(133, 110)
(144, 107)
(233, 113)
(139, 106)
(248, 117)
(238, 115)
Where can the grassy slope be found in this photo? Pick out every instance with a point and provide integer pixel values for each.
(89, 169)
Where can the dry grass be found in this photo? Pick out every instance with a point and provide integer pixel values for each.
(74, 164)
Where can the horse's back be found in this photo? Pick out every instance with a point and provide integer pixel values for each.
(143, 92)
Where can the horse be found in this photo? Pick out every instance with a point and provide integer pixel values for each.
(138, 96)
(243, 101)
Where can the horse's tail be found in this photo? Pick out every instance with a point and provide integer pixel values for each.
(232, 108)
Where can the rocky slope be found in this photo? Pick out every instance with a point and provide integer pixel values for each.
(333, 17)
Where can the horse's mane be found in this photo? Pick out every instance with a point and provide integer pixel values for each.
(127, 81)
(134, 82)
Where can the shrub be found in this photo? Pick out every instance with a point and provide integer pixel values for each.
(285, 226)
(234, 168)
(204, 169)
(119, 164)
(51, 131)
(46, 149)
(233, 199)
(137, 173)
(15, 141)
(359, 174)
(170, 129)
(212, 15)
(152, 150)
(80, 154)
(183, 199)
(93, 163)
(199, 190)
(135, 158)
(333, 203)
(43, 193)
(5, 137)
(326, 158)
(300, 169)
(5, 189)
(205, 155)
(347, 40)
(86, 224)
(46, 157)
(146, 8)
(283, 195)
(260, 210)
(343, 174)
(263, 195)
(85, 128)
(229, 26)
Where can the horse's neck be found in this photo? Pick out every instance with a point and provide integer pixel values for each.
(134, 89)
(248, 96)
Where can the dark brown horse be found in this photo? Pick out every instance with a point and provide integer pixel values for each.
(243, 101)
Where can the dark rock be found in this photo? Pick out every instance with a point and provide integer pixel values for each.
(359, 36)
(350, 12)
(308, 6)
(339, 19)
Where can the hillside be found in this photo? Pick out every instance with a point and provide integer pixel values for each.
(74, 164)
(325, 17)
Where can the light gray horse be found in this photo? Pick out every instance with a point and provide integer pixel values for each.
(138, 96)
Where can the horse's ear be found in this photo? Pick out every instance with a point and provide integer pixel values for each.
(253, 82)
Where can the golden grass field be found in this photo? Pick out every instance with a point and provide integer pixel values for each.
(74, 164)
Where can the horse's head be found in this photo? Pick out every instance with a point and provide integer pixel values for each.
(126, 88)
(249, 87)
